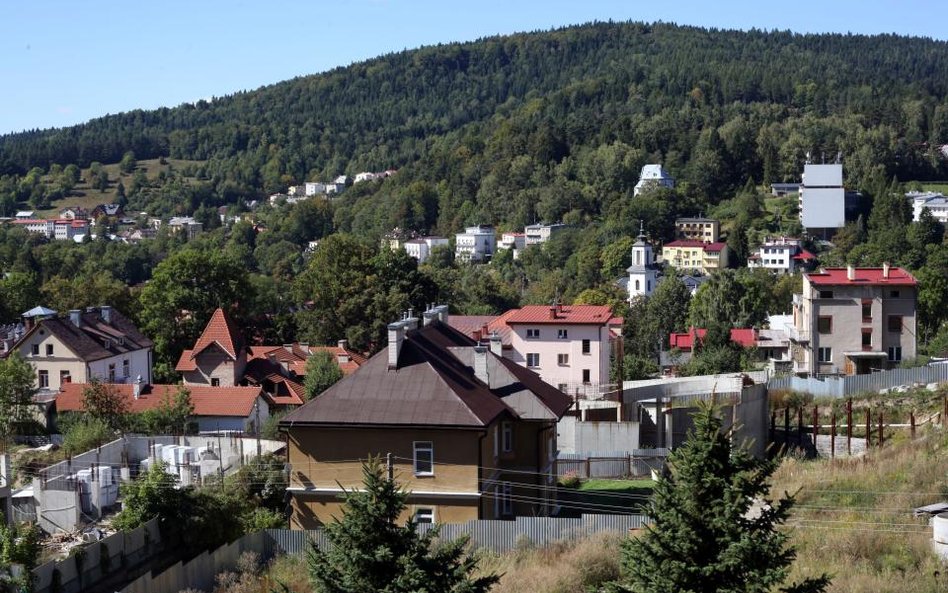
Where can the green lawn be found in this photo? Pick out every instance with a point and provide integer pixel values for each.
(629, 485)
(605, 497)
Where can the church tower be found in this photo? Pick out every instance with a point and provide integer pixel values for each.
(643, 273)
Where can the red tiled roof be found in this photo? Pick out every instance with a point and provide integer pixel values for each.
(685, 243)
(569, 314)
(743, 337)
(804, 255)
(468, 324)
(207, 400)
(186, 362)
(714, 246)
(220, 330)
(864, 276)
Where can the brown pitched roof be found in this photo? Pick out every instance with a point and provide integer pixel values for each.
(207, 400)
(222, 331)
(95, 338)
(285, 391)
(432, 385)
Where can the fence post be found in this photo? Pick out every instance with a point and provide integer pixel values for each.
(912, 423)
(786, 425)
(588, 473)
(816, 424)
(881, 436)
(833, 436)
(849, 426)
(868, 430)
(800, 425)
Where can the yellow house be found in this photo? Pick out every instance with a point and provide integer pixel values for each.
(695, 256)
(470, 434)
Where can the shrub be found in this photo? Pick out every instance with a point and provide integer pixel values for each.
(87, 434)
(570, 480)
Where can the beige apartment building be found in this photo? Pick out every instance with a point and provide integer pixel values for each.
(705, 230)
(853, 321)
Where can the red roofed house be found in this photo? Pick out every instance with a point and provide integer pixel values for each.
(745, 338)
(215, 408)
(782, 255)
(695, 256)
(854, 321)
(220, 357)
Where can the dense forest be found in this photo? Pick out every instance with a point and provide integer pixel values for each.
(548, 126)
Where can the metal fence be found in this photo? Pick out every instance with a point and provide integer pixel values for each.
(853, 384)
(616, 464)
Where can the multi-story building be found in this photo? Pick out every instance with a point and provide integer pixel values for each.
(186, 224)
(420, 247)
(854, 321)
(468, 433)
(541, 233)
(822, 197)
(475, 244)
(698, 229)
(515, 241)
(782, 255)
(653, 176)
(98, 342)
(59, 229)
(695, 256)
(936, 203)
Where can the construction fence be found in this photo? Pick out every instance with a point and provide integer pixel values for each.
(839, 387)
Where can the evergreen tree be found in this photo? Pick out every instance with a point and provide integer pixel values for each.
(707, 534)
(369, 552)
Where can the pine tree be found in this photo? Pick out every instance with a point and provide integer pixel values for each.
(370, 552)
(708, 534)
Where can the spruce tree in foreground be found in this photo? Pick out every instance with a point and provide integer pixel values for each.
(370, 552)
(705, 537)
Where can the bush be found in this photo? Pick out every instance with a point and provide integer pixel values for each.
(570, 480)
(86, 434)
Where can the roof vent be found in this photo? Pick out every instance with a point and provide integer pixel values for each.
(851, 272)
(885, 270)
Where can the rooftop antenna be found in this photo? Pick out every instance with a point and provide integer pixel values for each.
(808, 157)
(839, 157)
(641, 228)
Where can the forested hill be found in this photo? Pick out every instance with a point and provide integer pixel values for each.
(506, 129)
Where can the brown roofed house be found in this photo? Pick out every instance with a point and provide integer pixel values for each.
(471, 435)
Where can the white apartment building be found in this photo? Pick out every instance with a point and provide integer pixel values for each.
(653, 176)
(781, 255)
(822, 197)
(540, 233)
(475, 244)
(936, 203)
(854, 321)
(515, 241)
(420, 248)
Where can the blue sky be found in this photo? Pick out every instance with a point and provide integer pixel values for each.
(64, 62)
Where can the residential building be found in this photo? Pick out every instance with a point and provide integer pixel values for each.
(475, 244)
(109, 210)
(693, 283)
(653, 176)
(312, 188)
(187, 224)
(854, 321)
(779, 190)
(98, 342)
(221, 358)
(695, 256)
(515, 241)
(420, 247)
(73, 213)
(342, 180)
(781, 255)
(822, 197)
(540, 233)
(58, 229)
(698, 229)
(365, 176)
(643, 273)
(936, 203)
(569, 346)
(469, 434)
(23, 214)
(241, 409)
(396, 238)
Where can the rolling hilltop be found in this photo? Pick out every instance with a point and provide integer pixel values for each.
(509, 129)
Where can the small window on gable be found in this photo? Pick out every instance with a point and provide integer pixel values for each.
(506, 436)
(49, 349)
(35, 349)
(562, 334)
(533, 334)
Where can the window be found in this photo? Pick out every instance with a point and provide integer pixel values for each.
(64, 377)
(894, 294)
(562, 359)
(533, 334)
(424, 458)
(866, 339)
(561, 334)
(562, 387)
(824, 355)
(824, 325)
(215, 382)
(585, 375)
(35, 349)
(112, 372)
(503, 506)
(533, 359)
(126, 368)
(866, 311)
(586, 346)
(895, 324)
(49, 349)
(506, 437)
(826, 294)
(636, 285)
(424, 516)
(895, 353)
(43, 378)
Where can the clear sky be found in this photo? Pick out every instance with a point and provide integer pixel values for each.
(64, 62)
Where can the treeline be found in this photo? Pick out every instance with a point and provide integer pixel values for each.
(548, 125)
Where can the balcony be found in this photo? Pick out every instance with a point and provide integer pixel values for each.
(798, 335)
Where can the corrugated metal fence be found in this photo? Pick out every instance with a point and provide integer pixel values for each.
(853, 384)
(614, 464)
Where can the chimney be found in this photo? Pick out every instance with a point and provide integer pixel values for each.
(28, 323)
(137, 387)
(553, 311)
(850, 272)
(480, 364)
(106, 312)
(476, 335)
(484, 331)
(396, 335)
(496, 346)
(75, 316)
(885, 270)
(411, 322)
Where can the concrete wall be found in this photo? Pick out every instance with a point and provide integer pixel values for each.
(576, 436)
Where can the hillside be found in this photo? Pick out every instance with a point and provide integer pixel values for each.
(541, 125)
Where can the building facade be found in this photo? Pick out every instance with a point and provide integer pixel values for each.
(535, 234)
(822, 197)
(854, 321)
(936, 203)
(643, 273)
(651, 177)
(695, 256)
(781, 255)
(420, 247)
(705, 230)
(475, 244)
